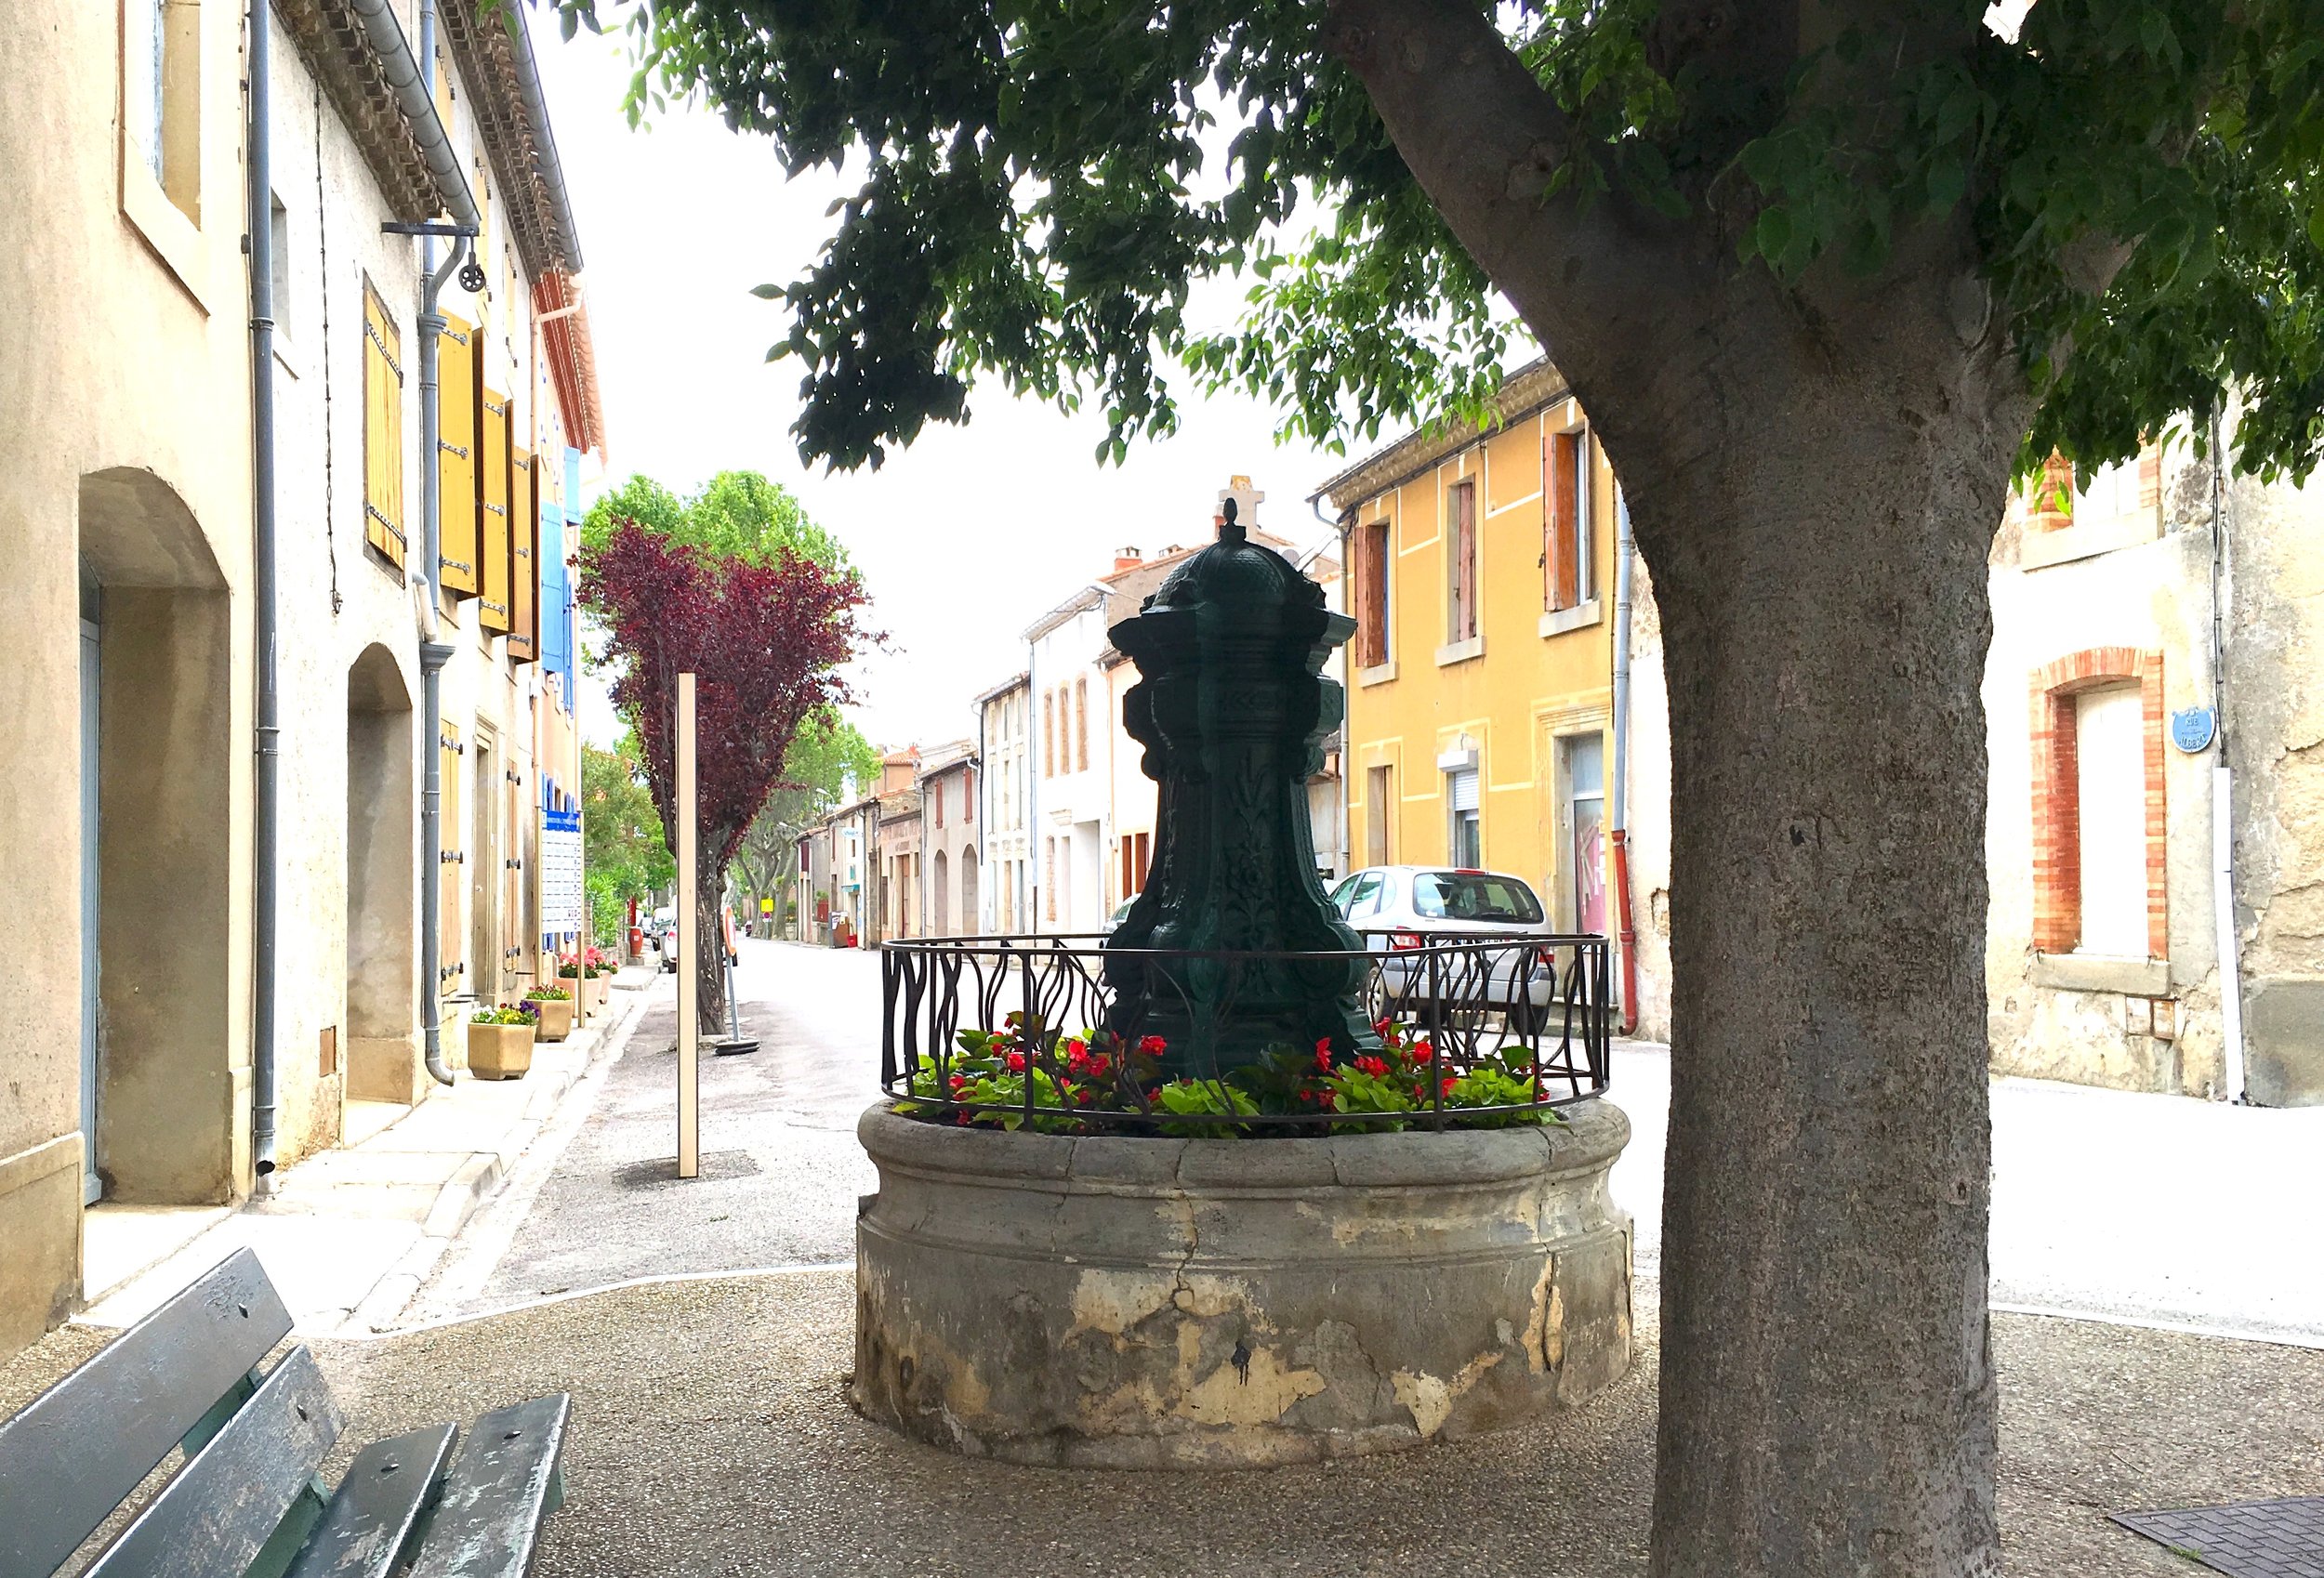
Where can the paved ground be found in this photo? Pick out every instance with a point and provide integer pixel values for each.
(2147, 1209)
(710, 1438)
(599, 1200)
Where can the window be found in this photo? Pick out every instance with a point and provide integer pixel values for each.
(1137, 850)
(1584, 763)
(1567, 558)
(1377, 812)
(1048, 736)
(2099, 817)
(278, 261)
(1474, 896)
(383, 429)
(1049, 880)
(968, 795)
(2111, 824)
(1081, 725)
(936, 792)
(1360, 895)
(1460, 545)
(1371, 594)
(1467, 841)
(161, 96)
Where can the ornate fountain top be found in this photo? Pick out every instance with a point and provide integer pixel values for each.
(1235, 574)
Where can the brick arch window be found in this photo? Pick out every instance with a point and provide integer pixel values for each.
(2100, 849)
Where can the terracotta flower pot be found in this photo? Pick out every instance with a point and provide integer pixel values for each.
(556, 1017)
(499, 1051)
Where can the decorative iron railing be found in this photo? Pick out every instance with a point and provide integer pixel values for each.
(1537, 1008)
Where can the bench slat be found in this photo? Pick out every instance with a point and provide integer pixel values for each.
(506, 1480)
(370, 1519)
(224, 1505)
(71, 1455)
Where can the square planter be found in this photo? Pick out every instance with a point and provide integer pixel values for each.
(580, 989)
(596, 984)
(556, 1017)
(499, 1051)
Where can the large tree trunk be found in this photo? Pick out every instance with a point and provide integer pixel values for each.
(1827, 1391)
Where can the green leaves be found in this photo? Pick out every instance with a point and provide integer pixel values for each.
(1044, 181)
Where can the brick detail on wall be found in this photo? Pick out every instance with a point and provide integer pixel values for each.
(2057, 922)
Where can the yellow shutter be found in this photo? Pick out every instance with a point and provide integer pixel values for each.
(449, 932)
(456, 456)
(493, 524)
(525, 571)
(383, 429)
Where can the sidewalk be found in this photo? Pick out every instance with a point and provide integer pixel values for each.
(349, 1233)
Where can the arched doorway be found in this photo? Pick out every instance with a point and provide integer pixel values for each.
(157, 719)
(383, 1061)
(939, 925)
(969, 921)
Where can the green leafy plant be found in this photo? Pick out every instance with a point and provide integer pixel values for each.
(1081, 1083)
(512, 1014)
(548, 994)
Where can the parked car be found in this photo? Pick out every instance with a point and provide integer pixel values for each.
(1116, 918)
(1400, 909)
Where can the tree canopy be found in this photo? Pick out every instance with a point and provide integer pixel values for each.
(739, 515)
(2139, 183)
(623, 851)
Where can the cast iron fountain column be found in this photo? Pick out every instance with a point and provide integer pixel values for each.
(1233, 710)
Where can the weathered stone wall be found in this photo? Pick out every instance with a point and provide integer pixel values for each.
(1139, 1302)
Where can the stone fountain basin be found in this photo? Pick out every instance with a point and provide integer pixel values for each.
(1138, 1303)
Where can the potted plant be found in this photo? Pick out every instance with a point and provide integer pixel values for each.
(500, 1042)
(597, 968)
(576, 972)
(553, 1007)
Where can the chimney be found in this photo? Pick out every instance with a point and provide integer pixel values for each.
(1127, 558)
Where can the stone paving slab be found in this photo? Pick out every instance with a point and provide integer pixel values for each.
(2255, 1539)
(710, 1438)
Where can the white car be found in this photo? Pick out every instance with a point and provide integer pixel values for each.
(1399, 909)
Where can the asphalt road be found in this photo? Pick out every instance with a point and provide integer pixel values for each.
(598, 1201)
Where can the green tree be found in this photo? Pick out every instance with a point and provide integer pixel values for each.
(622, 848)
(736, 514)
(826, 755)
(1825, 277)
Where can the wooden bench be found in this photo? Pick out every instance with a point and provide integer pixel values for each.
(246, 1503)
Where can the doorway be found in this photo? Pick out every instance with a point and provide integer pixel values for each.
(484, 875)
(1582, 764)
(92, 1186)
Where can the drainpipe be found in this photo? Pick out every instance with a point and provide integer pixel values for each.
(413, 94)
(265, 894)
(1619, 785)
(2223, 840)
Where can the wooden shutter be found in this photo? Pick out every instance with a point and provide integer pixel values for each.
(525, 571)
(449, 931)
(1081, 725)
(1371, 593)
(383, 429)
(456, 457)
(1561, 487)
(492, 523)
(513, 873)
(1463, 535)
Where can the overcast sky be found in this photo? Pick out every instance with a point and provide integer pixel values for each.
(965, 538)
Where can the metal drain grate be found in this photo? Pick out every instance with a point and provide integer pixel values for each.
(2255, 1539)
(717, 1166)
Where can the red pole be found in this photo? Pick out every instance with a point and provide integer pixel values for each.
(1629, 931)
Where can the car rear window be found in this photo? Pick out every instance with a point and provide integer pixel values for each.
(1474, 896)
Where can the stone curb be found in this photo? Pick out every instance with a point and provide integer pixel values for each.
(478, 1180)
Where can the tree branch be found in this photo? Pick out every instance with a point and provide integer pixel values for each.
(1482, 138)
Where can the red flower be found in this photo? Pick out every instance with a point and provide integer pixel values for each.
(1446, 1088)
(1016, 1062)
(1380, 1027)
(1152, 1045)
(959, 1083)
(1098, 1067)
(1322, 1056)
(1372, 1066)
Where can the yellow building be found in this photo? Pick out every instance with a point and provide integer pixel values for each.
(1480, 570)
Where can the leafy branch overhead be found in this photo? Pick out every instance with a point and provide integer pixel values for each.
(2137, 184)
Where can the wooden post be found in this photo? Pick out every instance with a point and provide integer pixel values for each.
(689, 1031)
